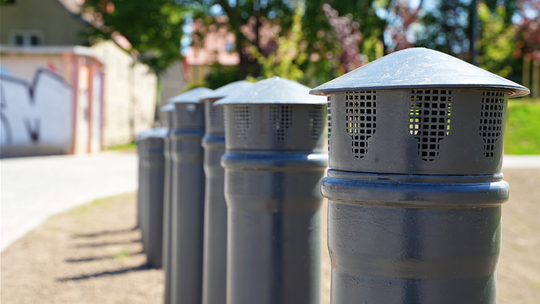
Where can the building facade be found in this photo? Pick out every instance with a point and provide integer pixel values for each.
(112, 96)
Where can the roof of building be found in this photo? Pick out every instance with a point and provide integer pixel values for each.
(51, 50)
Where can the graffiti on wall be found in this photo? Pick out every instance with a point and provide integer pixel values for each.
(35, 118)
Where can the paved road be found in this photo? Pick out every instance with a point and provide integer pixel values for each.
(521, 161)
(34, 188)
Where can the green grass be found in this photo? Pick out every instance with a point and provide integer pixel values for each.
(129, 146)
(83, 209)
(121, 255)
(523, 127)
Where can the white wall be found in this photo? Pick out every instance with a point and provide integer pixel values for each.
(144, 97)
(130, 94)
(95, 141)
(36, 118)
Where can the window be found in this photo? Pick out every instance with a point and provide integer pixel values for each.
(26, 37)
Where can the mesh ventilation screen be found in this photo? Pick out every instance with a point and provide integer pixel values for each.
(491, 119)
(429, 120)
(191, 112)
(242, 120)
(281, 117)
(225, 124)
(329, 119)
(361, 119)
(212, 113)
(315, 121)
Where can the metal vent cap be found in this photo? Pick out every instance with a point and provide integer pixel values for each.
(167, 108)
(226, 90)
(191, 96)
(274, 90)
(158, 132)
(419, 68)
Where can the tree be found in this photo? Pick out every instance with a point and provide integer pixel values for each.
(401, 19)
(496, 40)
(445, 27)
(347, 32)
(528, 29)
(153, 27)
(290, 53)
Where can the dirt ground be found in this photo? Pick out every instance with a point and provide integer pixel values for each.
(518, 274)
(92, 254)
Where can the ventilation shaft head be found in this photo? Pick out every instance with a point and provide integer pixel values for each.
(274, 114)
(418, 111)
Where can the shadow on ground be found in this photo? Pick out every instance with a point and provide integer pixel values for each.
(103, 244)
(104, 233)
(87, 255)
(105, 273)
(99, 258)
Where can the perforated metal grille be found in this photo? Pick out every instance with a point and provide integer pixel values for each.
(491, 119)
(429, 120)
(329, 119)
(361, 119)
(212, 114)
(225, 119)
(281, 117)
(315, 121)
(242, 120)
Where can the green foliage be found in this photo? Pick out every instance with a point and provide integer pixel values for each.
(130, 146)
(154, 28)
(305, 46)
(522, 127)
(286, 60)
(194, 85)
(496, 40)
(121, 255)
(246, 20)
(323, 47)
(86, 208)
(220, 75)
(446, 28)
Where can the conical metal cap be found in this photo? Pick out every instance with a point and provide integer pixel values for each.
(158, 132)
(167, 108)
(274, 90)
(191, 96)
(226, 90)
(419, 68)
